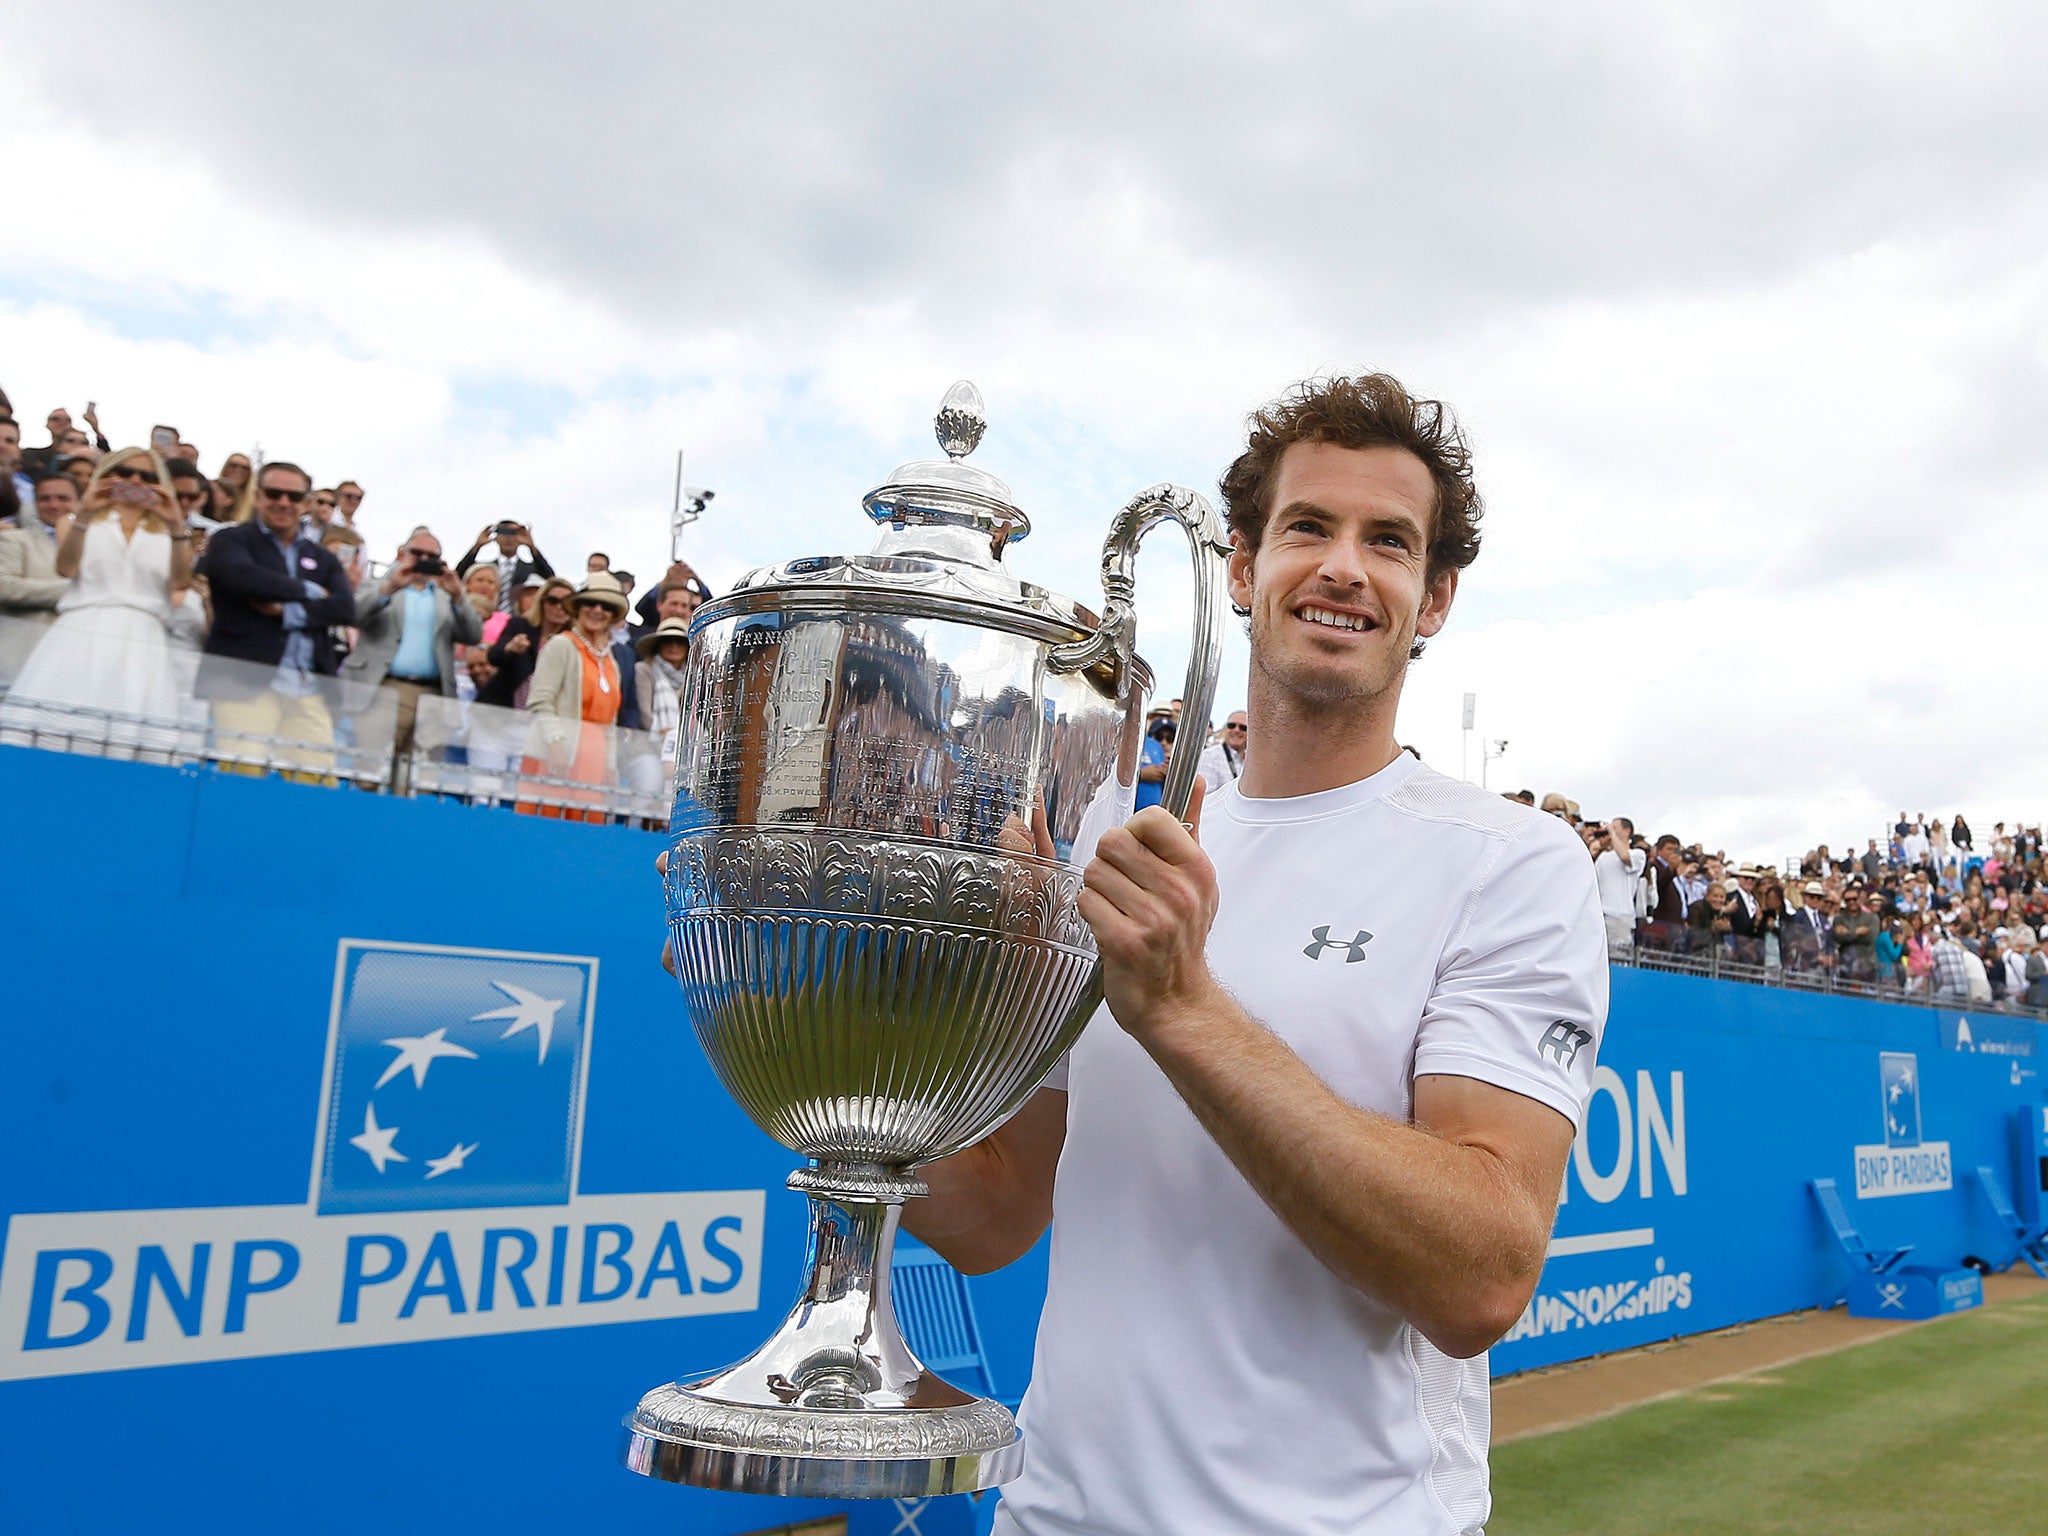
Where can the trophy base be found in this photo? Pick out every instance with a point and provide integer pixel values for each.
(900, 1453)
(835, 1404)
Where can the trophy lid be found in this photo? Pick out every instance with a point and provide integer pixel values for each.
(950, 491)
(939, 556)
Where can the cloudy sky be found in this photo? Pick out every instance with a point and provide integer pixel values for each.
(1744, 307)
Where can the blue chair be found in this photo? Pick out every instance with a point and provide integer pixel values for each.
(936, 1312)
(1875, 1261)
(2029, 1243)
(937, 1316)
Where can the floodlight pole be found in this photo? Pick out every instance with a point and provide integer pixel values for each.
(1490, 751)
(685, 507)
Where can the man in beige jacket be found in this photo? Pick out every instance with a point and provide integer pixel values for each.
(29, 583)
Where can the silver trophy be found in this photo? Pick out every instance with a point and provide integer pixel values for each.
(887, 764)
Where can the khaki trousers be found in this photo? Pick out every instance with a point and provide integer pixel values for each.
(273, 730)
(408, 695)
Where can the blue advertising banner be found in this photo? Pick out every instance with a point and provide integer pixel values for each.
(1686, 1202)
(359, 1168)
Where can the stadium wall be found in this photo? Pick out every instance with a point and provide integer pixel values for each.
(213, 1316)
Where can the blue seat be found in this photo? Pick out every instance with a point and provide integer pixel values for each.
(2028, 1242)
(937, 1315)
(936, 1312)
(1875, 1261)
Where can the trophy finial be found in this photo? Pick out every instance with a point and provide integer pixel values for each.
(961, 420)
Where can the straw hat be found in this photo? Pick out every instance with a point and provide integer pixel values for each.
(668, 629)
(602, 587)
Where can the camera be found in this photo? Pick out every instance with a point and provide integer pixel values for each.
(429, 565)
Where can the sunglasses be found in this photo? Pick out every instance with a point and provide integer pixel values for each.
(553, 602)
(132, 472)
(1237, 728)
(275, 493)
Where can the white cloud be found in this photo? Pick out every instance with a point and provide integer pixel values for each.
(1741, 307)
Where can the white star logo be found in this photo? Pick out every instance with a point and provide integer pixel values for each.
(419, 1053)
(376, 1140)
(457, 1156)
(528, 1010)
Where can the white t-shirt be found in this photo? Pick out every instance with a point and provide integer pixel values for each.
(1618, 885)
(1980, 979)
(1198, 1370)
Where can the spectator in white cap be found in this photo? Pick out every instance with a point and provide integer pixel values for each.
(1806, 938)
(659, 682)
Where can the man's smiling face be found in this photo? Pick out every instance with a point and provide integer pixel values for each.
(1338, 588)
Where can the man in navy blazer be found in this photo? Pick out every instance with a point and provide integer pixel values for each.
(277, 597)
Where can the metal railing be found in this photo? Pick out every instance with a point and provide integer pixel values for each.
(242, 717)
(1717, 965)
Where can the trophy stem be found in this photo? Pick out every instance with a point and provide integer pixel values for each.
(834, 1405)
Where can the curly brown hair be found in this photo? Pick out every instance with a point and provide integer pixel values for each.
(1370, 411)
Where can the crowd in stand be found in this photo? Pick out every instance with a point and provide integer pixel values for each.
(1923, 911)
(118, 564)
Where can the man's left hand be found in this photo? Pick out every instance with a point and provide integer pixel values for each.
(1150, 896)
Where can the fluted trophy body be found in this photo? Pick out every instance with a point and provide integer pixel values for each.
(890, 772)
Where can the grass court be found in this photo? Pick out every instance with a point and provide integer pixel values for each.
(1940, 1429)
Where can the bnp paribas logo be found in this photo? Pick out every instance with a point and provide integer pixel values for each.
(1905, 1162)
(483, 1108)
(445, 1197)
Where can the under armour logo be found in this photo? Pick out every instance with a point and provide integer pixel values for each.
(1563, 1040)
(1355, 945)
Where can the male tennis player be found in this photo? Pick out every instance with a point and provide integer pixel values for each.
(1305, 1162)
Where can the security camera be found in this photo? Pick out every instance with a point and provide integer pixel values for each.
(698, 494)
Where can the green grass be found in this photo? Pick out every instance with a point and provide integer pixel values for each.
(1940, 1429)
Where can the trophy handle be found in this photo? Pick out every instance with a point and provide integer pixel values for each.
(1115, 639)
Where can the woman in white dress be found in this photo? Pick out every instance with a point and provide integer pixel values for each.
(101, 680)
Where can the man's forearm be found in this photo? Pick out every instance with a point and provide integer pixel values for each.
(1440, 1232)
(990, 1203)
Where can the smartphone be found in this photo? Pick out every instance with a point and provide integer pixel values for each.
(161, 438)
